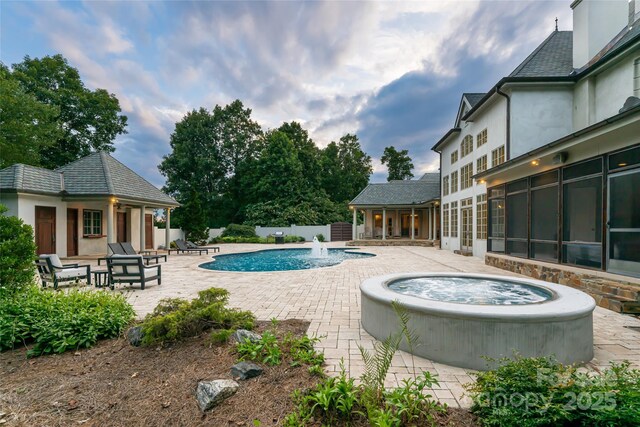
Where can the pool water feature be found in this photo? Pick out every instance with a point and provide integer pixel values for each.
(460, 319)
(471, 290)
(281, 260)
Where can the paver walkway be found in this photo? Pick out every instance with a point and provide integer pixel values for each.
(330, 299)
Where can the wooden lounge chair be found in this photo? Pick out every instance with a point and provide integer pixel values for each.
(129, 250)
(183, 248)
(51, 269)
(192, 245)
(130, 269)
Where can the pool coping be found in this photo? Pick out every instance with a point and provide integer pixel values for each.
(570, 303)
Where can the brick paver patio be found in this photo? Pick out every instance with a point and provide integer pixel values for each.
(330, 299)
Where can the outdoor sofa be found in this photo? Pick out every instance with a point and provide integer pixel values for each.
(126, 248)
(192, 245)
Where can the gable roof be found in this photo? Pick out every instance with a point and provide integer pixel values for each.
(473, 98)
(98, 174)
(409, 192)
(552, 58)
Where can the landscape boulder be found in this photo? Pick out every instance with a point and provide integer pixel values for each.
(134, 336)
(242, 335)
(211, 393)
(245, 370)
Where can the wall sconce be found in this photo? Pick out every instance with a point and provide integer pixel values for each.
(535, 162)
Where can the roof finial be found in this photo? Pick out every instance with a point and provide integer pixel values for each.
(556, 23)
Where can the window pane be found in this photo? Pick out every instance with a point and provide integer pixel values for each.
(582, 211)
(625, 201)
(497, 218)
(583, 255)
(624, 158)
(623, 252)
(517, 215)
(544, 213)
(496, 192)
(517, 248)
(512, 187)
(582, 169)
(544, 179)
(544, 251)
(496, 245)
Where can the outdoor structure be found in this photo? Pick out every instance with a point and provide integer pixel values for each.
(79, 208)
(406, 210)
(546, 164)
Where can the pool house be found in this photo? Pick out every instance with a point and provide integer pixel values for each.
(398, 212)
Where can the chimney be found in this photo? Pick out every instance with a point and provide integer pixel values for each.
(595, 24)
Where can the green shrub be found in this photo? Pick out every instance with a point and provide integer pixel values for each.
(265, 351)
(17, 253)
(175, 319)
(320, 237)
(293, 239)
(220, 336)
(542, 392)
(59, 321)
(256, 239)
(239, 230)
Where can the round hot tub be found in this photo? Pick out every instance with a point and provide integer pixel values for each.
(460, 319)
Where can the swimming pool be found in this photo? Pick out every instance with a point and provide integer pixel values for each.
(280, 260)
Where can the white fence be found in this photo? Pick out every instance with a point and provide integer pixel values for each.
(159, 236)
(306, 231)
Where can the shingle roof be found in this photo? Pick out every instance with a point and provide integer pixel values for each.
(410, 192)
(30, 179)
(553, 58)
(473, 98)
(97, 174)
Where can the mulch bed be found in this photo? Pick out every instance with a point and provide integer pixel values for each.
(115, 384)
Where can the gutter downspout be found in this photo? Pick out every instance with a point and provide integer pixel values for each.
(508, 139)
(439, 206)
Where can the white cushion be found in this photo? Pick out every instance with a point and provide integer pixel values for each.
(55, 260)
(131, 268)
(71, 272)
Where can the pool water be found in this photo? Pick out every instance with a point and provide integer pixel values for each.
(470, 290)
(280, 260)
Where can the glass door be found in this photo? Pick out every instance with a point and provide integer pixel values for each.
(623, 255)
(466, 211)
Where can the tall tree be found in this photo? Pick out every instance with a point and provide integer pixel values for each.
(209, 152)
(345, 169)
(398, 163)
(279, 171)
(27, 126)
(89, 120)
(307, 151)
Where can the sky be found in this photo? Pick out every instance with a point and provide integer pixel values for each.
(391, 72)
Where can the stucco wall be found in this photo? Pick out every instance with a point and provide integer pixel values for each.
(27, 211)
(613, 87)
(10, 200)
(539, 117)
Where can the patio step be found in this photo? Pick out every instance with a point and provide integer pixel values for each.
(613, 302)
(390, 242)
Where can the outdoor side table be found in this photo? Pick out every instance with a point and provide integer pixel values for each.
(98, 276)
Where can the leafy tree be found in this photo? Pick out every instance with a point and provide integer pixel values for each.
(89, 120)
(398, 163)
(307, 151)
(192, 218)
(345, 169)
(279, 171)
(27, 126)
(211, 151)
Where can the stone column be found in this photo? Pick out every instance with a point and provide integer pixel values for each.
(111, 235)
(413, 224)
(355, 223)
(167, 230)
(142, 228)
(384, 224)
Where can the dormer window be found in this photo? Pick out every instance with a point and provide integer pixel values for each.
(467, 145)
(481, 139)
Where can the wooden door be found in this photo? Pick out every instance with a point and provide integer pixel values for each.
(72, 232)
(148, 231)
(122, 227)
(45, 230)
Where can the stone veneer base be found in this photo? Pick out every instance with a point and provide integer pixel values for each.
(610, 291)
